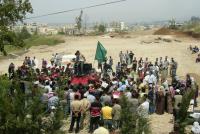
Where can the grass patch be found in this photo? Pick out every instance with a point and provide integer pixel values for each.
(191, 27)
(36, 40)
(11, 48)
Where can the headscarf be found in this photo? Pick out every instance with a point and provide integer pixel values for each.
(192, 80)
(196, 128)
(161, 88)
(172, 92)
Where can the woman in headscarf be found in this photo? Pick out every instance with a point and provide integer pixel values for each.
(188, 81)
(195, 87)
(170, 95)
(196, 128)
(160, 101)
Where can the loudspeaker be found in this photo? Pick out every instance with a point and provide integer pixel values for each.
(87, 68)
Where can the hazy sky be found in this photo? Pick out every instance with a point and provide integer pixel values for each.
(128, 11)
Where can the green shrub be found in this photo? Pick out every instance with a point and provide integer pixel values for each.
(132, 123)
(37, 40)
(183, 119)
(23, 113)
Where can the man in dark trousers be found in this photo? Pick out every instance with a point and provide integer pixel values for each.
(76, 114)
(131, 54)
(11, 70)
(95, 113)
(134, 64)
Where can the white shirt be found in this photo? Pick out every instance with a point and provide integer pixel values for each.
(156, 68)
(71, 96)
(48, 88)
(101, 130)
(152, 79)
(122, 88)
(144, 109)
(166, 64)
(91, 98)
(36, 63)
(146, 79)
(128, 95)
(127, 83)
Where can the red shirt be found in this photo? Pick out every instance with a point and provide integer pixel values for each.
(95, 109)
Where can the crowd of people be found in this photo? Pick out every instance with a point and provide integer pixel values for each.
(150, 86)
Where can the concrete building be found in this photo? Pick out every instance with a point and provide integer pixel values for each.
(47, 31)
(122, 26)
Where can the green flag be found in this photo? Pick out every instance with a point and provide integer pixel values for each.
(100, 53)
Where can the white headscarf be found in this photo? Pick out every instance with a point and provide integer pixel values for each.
(196, 128)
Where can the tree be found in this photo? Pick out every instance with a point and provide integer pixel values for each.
(24, 113)
(172, 24)
(79, 21)
(102, 28)
(36, 31)
(11, 12)
(24, 34)
(95, 27)
(128, 119)
(195, 19)
(132, 122)
(183, 119)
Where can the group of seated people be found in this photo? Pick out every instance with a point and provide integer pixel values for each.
(195, 50)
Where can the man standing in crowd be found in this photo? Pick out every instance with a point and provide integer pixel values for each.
(107, 115)
(95, 114)
(151, 97)
(11, 70)
(134, 64)
(166, 66)
(160, 62)
(121, 56)
(134, 102)
(35, 64)
(110, 62)
(173, 68)
(118, 67)
(131, 54)
(177, 103)
(105, 98)
(144, 107)
(85, 111)
(127, 57)
(116, 114)
(44, 63)
(53, 101)
(76, 108)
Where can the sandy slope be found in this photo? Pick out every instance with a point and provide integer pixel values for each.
(87, 45)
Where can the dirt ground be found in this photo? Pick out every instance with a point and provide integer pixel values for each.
(143, 44)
